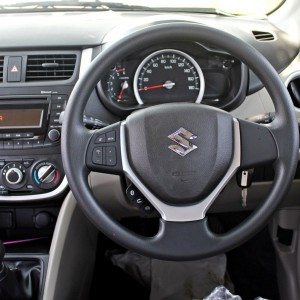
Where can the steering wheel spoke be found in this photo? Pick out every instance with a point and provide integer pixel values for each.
(258, 145)
(103, 152)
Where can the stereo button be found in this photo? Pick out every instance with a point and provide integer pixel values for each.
(57, 106)
(56, 98)
(7, 135)
(18, 144)
(28, 135)
(27, 145)
(17, 135)
(8, 145)
(37, 144)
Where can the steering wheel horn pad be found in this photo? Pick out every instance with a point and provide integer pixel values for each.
(203, 140)
(181, 182)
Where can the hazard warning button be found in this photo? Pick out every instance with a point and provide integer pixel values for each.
(14, 69)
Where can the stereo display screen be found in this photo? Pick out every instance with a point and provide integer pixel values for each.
(21, 118)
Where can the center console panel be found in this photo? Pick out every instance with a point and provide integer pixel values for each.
(34, 91)
(30, 160)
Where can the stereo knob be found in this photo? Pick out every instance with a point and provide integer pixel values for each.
(46, 174)
(14, 176)
(54, 135)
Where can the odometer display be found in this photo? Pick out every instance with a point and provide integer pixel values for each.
(168, 76)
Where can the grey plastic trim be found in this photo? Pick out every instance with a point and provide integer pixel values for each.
(48, 83)
(196, 65)
(188, 213)
(57, 244)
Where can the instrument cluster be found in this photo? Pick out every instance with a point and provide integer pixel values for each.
(172, 73)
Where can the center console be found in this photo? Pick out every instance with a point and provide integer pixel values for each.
(34, 91)
(29, 126)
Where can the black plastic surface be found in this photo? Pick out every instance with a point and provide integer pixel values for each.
(176, 179)
(258, 145)
(104, 151)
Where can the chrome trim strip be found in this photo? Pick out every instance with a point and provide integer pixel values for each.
(49, 195)
(138, 70)
(86, 58)
(183, 213)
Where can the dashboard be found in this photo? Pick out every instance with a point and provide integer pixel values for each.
(177, 72)
(39, 69)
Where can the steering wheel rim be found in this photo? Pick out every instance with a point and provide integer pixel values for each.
(192, 239)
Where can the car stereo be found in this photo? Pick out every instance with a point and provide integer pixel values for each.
(30, 121)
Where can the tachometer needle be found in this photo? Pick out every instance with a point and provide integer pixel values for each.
(168, 85)
(124, 86)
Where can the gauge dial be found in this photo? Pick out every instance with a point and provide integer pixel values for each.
(118, 84)
(168, 76)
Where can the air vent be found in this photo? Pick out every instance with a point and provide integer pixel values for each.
(1, 68)
(50, 67)
(263, 36)
(294, 90)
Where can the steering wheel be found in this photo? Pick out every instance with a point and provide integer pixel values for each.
(213, 146)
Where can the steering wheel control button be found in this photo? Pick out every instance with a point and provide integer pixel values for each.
(100, 139)
(110, 156)
(111, 137)
(104, 150)
(132, 192)
(13, 175)
(98, 156)
(137, 200)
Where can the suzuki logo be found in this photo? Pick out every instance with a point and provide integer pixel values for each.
(183, 139)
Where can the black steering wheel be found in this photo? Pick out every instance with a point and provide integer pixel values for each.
(180, 187)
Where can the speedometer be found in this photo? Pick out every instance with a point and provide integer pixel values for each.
(168, 76)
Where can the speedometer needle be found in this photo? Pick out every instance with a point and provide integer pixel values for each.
(167, 85)
(124, 86)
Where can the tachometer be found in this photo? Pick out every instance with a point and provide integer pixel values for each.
(118, 84)
(168, 76)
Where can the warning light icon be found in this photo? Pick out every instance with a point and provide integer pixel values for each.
(14, 69)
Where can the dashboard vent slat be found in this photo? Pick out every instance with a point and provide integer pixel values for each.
(50, 67)
(263, 36)
(1, 68)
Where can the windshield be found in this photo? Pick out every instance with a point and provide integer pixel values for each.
(235, 7)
